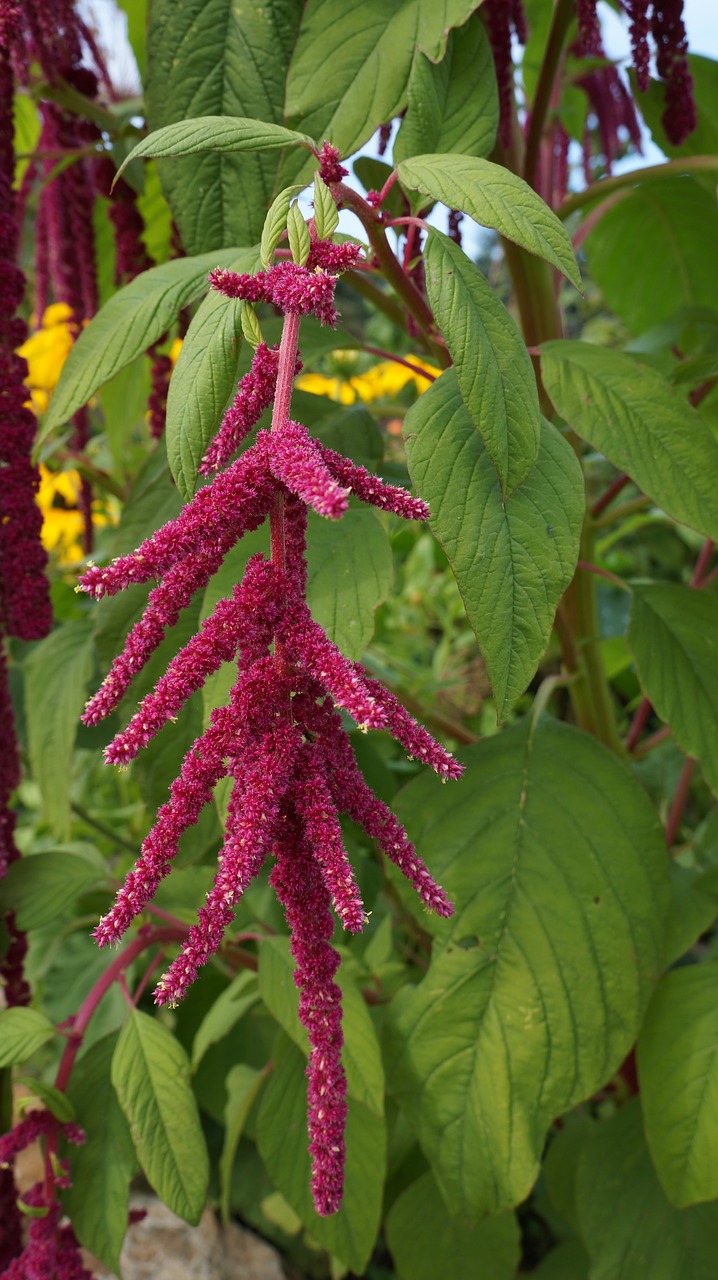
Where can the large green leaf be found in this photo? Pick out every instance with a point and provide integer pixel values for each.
(452, 105)
(673, 223)
(549, 961)
(150, 1072)
(703, 141)
(673, 635)
(425, 1242)
(361, 1055)
(40, 888)
(350, 1234)
(216, 58)
(643, 426)
(22, 1032)
(496, 198)
(204, 380)
(512, 559)
(350, 574)
(492, 364)
(126, 326)
(56, 676)
(678, 1071)
(365, 54)
(628, 1226)
(98, 1200)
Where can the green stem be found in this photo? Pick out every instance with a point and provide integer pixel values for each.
(533, 283)
(652, 173)
(590, 693)
(533, 286)
(562, 18)
(103, 830)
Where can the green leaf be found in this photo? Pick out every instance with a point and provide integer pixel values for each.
(326, 214)
(628, 1226)
(350, 573)
(674, 223)
(361, 1055)
(221, 134)
(697, 369)
(275, 223)
(236, 999)
(549, 961)
(54, 1100)
(98, 1200)
(126, 326)
(204, 380)
(568, 1261)
(561, 1163)
(452, 105)
(215, 58)
(350, 1234)
(365, 56)
(512, 559)
(425, 1242)
(251, 331)
(678, 1071)
(56, 676)
(494, 197)
(26, 133)
(693, 911)
(22, 1033)
(673, 635)
(703, 140)
(42, 887)
(243, 1084)
(493, 367)
(298, 236)
(642, 425)
(150, 1072)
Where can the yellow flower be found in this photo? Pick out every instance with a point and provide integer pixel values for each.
(383, 381)
(63, 524)
(46, 351)
(175, 350)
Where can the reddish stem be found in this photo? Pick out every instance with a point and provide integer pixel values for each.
(408, 221)
(147, 937)
(280, 417)
(151, 909)
(639, 723)
(387, 355)
(387, 187)
(655, 740)
(679, 801)
(603, 573)
(702, 563)
(609, 494)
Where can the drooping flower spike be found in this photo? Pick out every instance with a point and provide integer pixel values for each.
(280, 738)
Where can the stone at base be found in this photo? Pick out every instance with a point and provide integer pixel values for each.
(163, 1247)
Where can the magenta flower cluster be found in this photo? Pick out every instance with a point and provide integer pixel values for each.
(280, 739)
(51, 1249)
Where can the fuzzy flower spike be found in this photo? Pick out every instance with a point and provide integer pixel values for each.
(280, 738)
